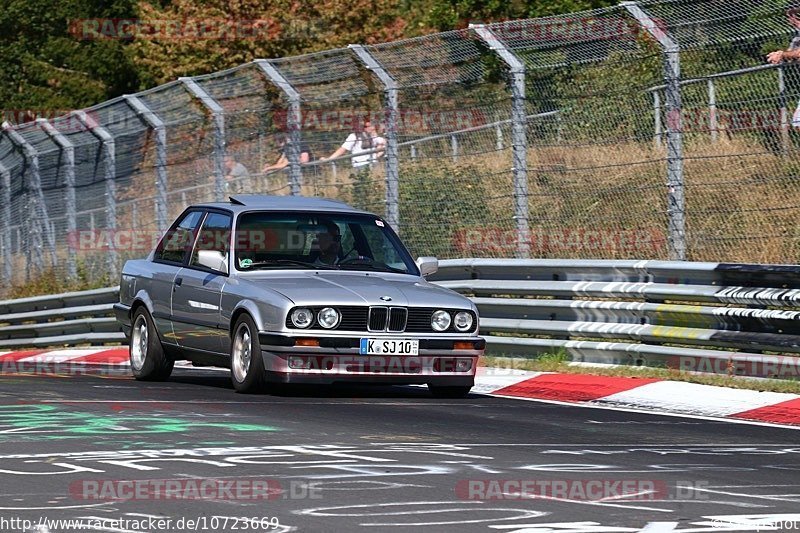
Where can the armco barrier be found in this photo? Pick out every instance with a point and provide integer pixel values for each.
(72, 318)
(712, 317)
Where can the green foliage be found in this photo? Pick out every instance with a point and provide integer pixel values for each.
(44, 67)
(364, 192)
(443, 15)
(268, 28)
(447, 201)
(591, 94)
(52, 282)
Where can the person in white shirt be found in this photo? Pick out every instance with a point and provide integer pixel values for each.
(361, 140)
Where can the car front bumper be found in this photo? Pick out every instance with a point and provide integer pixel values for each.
(337, 359)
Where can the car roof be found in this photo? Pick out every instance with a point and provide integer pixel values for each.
(248, 202)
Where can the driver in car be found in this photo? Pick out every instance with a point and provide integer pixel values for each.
(329, 243)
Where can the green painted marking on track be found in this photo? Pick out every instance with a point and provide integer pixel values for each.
(51, 422)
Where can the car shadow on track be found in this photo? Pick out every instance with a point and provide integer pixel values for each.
(221, 380)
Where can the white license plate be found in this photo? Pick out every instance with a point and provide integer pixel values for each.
(389, 347)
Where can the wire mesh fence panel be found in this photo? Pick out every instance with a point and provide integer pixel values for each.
(454, 181)
(341, 117)
(247, 101)
(741, 156)
(596, 180)
(649, 130)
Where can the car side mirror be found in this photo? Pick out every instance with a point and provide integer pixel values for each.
(427, 266)
(213, 259)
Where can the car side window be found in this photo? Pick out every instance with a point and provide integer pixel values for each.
(213, 243)
(178, 241)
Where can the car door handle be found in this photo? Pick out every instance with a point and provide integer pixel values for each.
(178, 281)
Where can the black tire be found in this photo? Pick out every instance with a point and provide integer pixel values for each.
(247, 364)
(457, 391)
(148, 360)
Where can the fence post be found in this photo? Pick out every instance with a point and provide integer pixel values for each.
(454, 148)
(39, 208)
(160, 131)
(676, 200)
(712, 110)
(293, 122)
(218, 116)
(5, 221)
(784, 108)
(390, 89)
(68, 152)
(519, 135)
(109, 178)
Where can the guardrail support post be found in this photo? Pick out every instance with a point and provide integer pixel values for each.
(712, 111)
(293, 122)
(676, 200)
(390, 90)
(39, 208)
(5, 221)
(160, 131)
(519, 135)
(218, 116)
(499, 137)
(68, 152)
(109, 177)
(784, 109)
(657, 133)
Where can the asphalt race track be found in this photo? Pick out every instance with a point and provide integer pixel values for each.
(102, 449)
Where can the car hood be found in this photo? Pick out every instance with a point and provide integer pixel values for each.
(314, 288)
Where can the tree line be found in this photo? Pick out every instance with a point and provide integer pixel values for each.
(59, 55)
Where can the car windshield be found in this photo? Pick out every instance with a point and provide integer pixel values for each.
(268, 239)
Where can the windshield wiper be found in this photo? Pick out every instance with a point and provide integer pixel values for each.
(283, 262)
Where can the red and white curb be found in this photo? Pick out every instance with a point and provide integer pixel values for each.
(67, 356)
(651, 395)
(643, 394)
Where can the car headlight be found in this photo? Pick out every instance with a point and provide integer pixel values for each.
(328, 318)
(302, 318)
(463, 321)
(440, 320)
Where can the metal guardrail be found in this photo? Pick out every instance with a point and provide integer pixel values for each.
(68, 319)
(713, 317)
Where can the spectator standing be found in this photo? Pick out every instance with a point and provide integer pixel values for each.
(790, 54)
(362, 139)
(283, 160)
(235, 174)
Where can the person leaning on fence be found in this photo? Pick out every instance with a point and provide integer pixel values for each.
(283, 160)
(790, 54)
(362, 139)
(235, 175)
